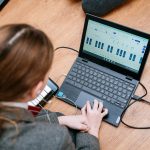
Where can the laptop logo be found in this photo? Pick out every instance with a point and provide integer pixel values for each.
(118, 120)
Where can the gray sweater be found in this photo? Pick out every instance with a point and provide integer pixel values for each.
(37, 133)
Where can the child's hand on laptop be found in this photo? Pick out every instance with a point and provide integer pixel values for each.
(89, 121)
(94, 116)
(78, 122)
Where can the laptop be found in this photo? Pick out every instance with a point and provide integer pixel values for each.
(108, 68)
(3, 3)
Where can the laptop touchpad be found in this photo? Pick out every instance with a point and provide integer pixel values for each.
(83, 98)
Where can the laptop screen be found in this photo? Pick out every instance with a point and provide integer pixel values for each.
(115, 46)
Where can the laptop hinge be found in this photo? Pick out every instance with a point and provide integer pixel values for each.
(129, 78)
(85, 60)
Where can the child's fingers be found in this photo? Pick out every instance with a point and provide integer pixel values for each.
(84, 127)
(95, 106)
(87, 129)
(105, 112)
(83, 110)
(88, 106)
(100, 107)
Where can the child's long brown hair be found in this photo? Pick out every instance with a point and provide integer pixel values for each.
(25, 57)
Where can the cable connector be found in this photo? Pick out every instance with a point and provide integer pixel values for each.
(135, 97)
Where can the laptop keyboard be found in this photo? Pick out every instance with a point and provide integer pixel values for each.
(103, 85)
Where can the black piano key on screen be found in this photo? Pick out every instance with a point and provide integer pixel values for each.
(102, 46)
(87, 40)
(130, 57)
(108, 48)
(124, 53)
(117, 52)
(90, 42)
(121, 53)
(111, 49)
(99, 44)
(133, 59)
(96, 43)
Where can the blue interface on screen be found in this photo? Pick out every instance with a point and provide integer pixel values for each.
(115, 46)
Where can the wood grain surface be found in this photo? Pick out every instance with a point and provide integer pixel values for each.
(63, 21)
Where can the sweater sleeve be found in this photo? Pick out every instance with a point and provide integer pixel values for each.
(85, 141)
(51, 117)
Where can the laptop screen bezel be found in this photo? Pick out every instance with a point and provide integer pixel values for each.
(107, 64)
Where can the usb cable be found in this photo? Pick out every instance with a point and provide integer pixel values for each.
(136, 99)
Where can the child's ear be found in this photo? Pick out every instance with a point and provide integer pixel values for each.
(37, 90)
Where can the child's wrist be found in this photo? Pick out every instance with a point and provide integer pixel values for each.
(93, 132)
(62, 120)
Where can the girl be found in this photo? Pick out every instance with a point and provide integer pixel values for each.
(26, 55)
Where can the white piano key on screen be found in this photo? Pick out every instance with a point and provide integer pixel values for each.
(35, 102)
(47, 89)
(39, 98)
(43, 93)
(30, 103)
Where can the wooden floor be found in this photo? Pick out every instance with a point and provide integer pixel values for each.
(63, 21)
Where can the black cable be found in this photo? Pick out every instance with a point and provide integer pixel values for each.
(139, 98)
(145, 101)
(65, 47)
(67, 99)
(136, 99)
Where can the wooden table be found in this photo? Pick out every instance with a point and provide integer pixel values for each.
(63, 21)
